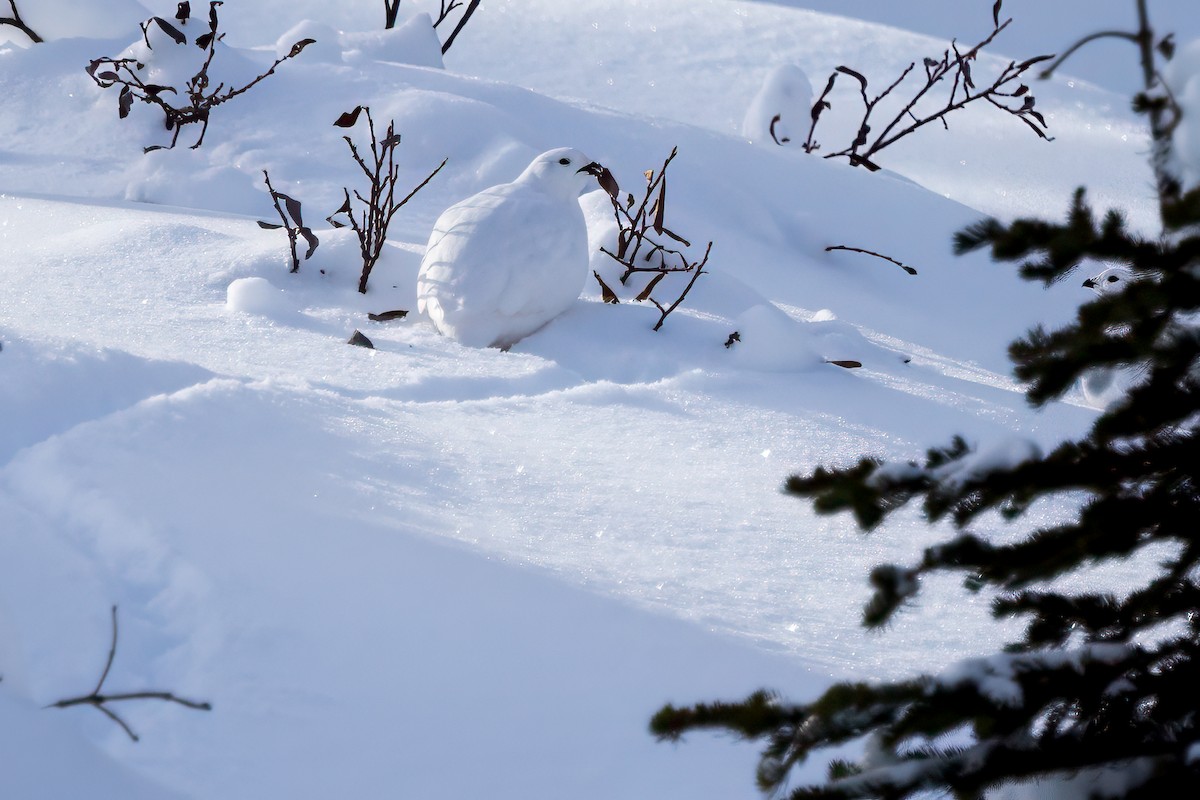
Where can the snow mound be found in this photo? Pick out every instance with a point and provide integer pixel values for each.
(771, 341)
(413, 42)
(256, 296)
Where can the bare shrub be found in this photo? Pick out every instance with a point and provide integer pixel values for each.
(378, 207)
(195, 102)
(292, 221)
(954, 67)
(640, 252)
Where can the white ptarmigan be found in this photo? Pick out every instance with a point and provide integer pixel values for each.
(1111, 281)
(781, 112)
(504, 262)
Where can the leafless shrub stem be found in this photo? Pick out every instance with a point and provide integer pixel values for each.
(390, 9)
(446, 8)
(638, 252)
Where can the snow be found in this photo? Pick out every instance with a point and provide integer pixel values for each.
(997, 676)
(431, 570)
(996, 456)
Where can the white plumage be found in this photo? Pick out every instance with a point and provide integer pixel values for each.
(1110, 281)
(781, 112)
(504, 262)
(1103, 386)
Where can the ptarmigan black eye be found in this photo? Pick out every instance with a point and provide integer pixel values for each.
(1113, 279)
(564, 161)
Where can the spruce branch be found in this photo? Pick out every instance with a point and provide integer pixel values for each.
(100, 701)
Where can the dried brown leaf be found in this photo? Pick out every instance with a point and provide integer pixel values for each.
(606, 294)
(645, 293)
(349, 119)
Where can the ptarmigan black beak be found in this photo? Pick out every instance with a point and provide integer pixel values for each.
(1090, 283)
(607, 182)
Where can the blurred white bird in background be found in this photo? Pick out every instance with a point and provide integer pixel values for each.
(1103, 386)
(1110, 281)
(781, 112)
(504, 262)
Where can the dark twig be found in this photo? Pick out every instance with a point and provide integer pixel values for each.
(698, 271)
(904, 267)
(390, 9)
(462, 21)
(1070, 51)
(100, 701)
(16, 22)
(446, 9)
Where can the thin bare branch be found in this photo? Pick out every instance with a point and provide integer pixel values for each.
(446, 8)
(112, 653)
(100, 701)
(699, 270)
(902, 266)
(636, 248)
(1070, 51)
(16, 22)
(461, 24)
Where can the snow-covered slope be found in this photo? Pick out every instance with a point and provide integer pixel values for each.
(434, 571)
